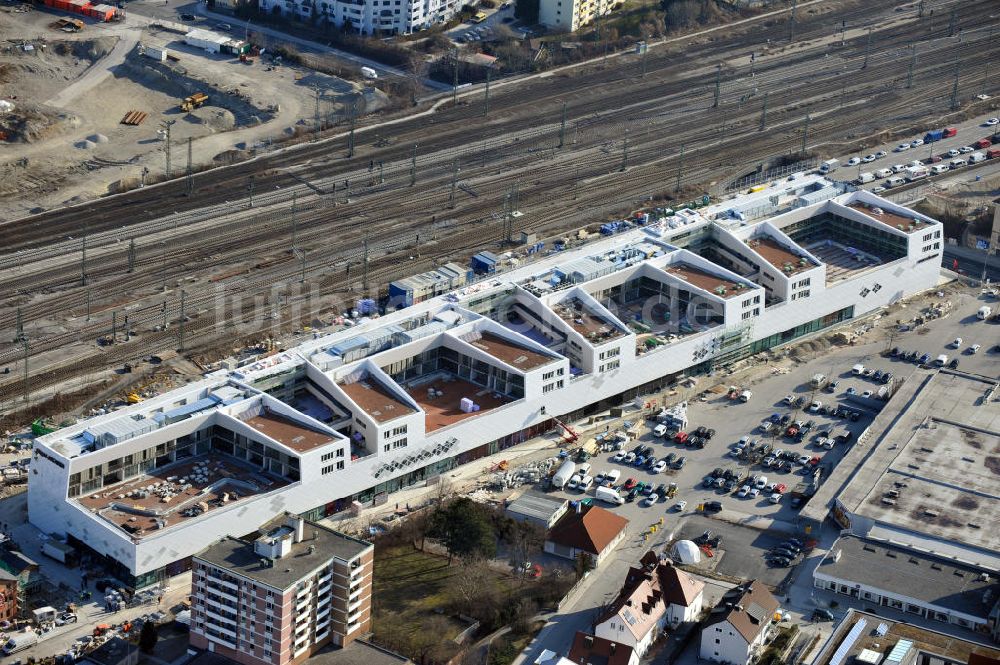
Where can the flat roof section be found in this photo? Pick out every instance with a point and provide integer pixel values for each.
(444, 407)
(720, 286)
(780, 256)
(932, 465)
(319, 544)
(928, 578)
(942, 482)
(289, 433)
(376, 400)
(207, 481)
(930, 641)
(593, 327)
(898, 222)
(512, 354)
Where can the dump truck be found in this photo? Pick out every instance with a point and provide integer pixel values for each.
(194, 101)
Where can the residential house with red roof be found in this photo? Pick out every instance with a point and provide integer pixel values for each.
(739, 625)
(589, 529)
(591, 650)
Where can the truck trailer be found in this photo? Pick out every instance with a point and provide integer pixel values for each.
(563, 475)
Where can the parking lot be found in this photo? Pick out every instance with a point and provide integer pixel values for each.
(740, 553)
(770, 383)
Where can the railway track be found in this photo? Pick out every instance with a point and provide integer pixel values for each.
(670, 100)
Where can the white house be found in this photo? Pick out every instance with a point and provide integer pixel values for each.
(739, 625)
(655, 595)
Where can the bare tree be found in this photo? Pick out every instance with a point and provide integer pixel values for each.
(468, 588)
(417, 68)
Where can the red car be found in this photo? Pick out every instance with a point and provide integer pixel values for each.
(814, 461)
(681, 437)
(629, 484)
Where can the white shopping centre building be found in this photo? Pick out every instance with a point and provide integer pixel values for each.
(355, 415)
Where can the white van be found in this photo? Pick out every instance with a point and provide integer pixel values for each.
(609, 495)
(894, 181)
(984, 312)
(942, 360)
(977, 157)
(865, 177)
(883, 173)
(20, 641)
(858, 369)
(939, 168)
(958, 162)
(660, 430)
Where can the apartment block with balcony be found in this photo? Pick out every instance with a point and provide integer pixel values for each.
(367, 16)
(571, 15)
(281, 595)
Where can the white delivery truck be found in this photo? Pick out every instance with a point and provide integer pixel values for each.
(865, 177)
(984, 312)
(829, 165)
(564, 473)
(20, 642)
(609, 495)
(916, 173)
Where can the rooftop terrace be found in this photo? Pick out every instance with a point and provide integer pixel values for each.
(178, 492)
(289, 433)
(376, 400)
(441, 400)
(780, 256)
(898, 222)
(593, 327)
(512, 354)
(841, 262)
(720, 286)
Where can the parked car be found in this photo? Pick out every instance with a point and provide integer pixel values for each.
(660, 466)
(821, 614)
(66, 618)
(712, 506)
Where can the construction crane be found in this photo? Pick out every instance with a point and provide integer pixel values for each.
(571, 436)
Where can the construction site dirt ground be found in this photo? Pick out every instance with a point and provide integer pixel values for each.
(65, 142)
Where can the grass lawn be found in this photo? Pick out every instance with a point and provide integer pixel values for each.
(410, 585)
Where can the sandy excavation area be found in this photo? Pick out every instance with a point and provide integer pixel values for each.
(65, 141)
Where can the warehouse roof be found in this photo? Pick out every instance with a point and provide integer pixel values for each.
(537, 506)
(929, 469)
(906, 572)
